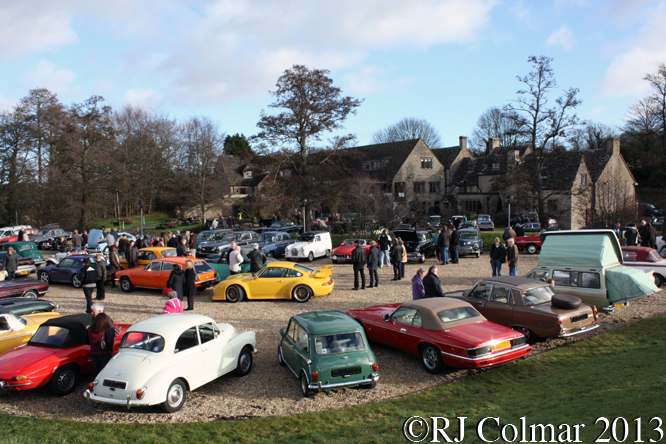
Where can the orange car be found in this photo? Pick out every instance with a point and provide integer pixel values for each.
(156, 274)
(148, 254)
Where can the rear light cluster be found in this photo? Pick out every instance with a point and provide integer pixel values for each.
(326, 284)
(315, 376)
(596, 313)
(374, 368)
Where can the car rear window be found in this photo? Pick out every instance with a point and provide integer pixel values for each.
(537, 296)
(50, 336)
(143, 341)
(340, 343)
(169, 253)
(202, 267)
(304, 269)
(458, 314)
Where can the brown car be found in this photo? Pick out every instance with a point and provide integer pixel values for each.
(530, 306)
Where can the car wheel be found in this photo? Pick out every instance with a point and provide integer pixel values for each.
(431, 358)
(176, 395)
(126, 285)
(44, 277)
(281, 357)
(64, 380)
(244, 362)
(234, 293)
(301, 293)
(328, 253)
(658, 280)
(530, 337)
(421, 259)
(532, 249)
(307, 392)
(478, 254)
(311, 256)
(31, 294)
(76, 282)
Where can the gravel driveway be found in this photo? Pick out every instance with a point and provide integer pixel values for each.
(271, 390)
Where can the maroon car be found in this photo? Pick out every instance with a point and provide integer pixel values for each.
(23, 288)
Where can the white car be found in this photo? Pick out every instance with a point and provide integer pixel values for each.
(310, 246)
(163, 357)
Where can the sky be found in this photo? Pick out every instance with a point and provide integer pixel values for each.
(443, 61)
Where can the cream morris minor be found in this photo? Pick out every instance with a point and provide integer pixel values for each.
(163, 357)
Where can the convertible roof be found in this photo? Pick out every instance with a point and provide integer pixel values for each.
(71, 322)
(429, 308)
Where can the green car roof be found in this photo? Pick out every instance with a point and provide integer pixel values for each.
(326, 322)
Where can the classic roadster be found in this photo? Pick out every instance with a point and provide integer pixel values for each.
(163, 357)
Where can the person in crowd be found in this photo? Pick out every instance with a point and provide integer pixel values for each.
(418, 292)
(384, 245)
(432, 287)
(438, 252)
(173, 241)
(454, 244)
(183, 250)
(176, 280)
(88, 278)
(11, 263)
(235, 259)
(84, 238)
(497, 257)
(123, 242)
(358, 260)
(644, 233)
(62, 246)
(396, 258)
(509, 233)
(173, 305)
(19, 235)
(24, 237)
(100, 274)
(512, 257)
(77, 240)
(257, 258)
(403, 259)
(373, 263)
(518, 228)
(444, 242)
(214, 224)
(631, 235)
(114, 264)
(652, 236)
(100, 336)
(190, 285)
(132, 255)
(113, 233)
(110, 239)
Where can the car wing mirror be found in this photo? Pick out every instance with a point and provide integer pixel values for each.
(283, 332)
(387, 317)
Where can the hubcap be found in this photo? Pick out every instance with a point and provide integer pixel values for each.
(66, 380)
(76, 281)
(232, 294)
(245, 362)
(45, 277)
(175, 395)
(125, 284)
(430, 358)
(301, 293)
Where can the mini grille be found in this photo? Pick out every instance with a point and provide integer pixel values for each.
(115, 384)
(579, 318)
(345, 371)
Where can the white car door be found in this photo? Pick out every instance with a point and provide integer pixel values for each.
(319, 249)
(187, 355)
(214, 347)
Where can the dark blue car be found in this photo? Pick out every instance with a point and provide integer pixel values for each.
(274, 243)
(66, 271)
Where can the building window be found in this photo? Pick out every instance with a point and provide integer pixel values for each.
(419, 187)
(434, 187)
(366, 166)
(242, 191)
(495, 166)
(247, 174)
(583, 179)
(426, 163)
(399, 190)
(472, 206)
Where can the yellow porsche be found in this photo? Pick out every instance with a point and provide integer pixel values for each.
(16, 331)
(277, 280)
(148, 254)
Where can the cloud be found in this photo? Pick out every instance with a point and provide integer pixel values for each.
(640, 56)
(6, 104)
(33, 25)
(48, 75)
(144, 98)
(374, 79)
(562, 37)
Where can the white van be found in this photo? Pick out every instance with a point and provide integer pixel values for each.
(310, 245)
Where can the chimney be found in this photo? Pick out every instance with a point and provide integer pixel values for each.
(613, 145)
(492, 144)
(462, 142)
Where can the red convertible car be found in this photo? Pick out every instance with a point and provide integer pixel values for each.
(343, 252)
(442, 332)
(25, 288)
(56, 356)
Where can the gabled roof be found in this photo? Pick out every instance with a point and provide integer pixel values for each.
(560, 170)
(230, 170)
(447, 155)
(596, 161)
(395, 153)
(469, 171)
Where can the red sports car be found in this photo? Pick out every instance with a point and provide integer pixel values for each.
(442, 332)
(343, 252)
(55, 356)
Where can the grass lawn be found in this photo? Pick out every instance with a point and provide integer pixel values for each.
(133, 223)
(615, 375)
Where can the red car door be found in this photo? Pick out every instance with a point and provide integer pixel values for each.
(403, 329)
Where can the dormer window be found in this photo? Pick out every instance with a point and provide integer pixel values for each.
(247, 174)
(495, 166)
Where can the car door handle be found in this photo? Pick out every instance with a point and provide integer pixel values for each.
(280, 281)
(403, 330)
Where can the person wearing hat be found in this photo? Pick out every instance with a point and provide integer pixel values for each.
(373, 263)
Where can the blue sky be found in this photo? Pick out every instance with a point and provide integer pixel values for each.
(443, 61)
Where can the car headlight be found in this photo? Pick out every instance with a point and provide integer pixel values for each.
(216, 249)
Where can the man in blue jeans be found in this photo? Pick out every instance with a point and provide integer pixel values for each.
(512, 257)
(384, 243)
(443, 242)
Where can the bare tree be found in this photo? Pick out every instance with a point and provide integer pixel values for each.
(539, 124)
(591, 136)
(409, 128)
(656, 100)
(494, 123)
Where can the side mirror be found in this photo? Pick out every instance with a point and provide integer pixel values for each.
(283, 332)
(387, 317)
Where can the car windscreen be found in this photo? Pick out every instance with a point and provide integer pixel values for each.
(537, 295)
(143, 341)
(458, 314)
(467, 234)
(50, 336)
(169, 253)
(339, 343)
(204, 235)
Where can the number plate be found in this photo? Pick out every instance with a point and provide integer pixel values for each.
(502, 345)
(24, 272)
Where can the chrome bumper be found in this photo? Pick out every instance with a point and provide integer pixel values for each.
(4, 385)
(582, 330)
(318, 386)
(126, 402)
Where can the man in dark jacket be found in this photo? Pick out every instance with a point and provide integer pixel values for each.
(431, 284)
(497, 257)
(444, 242)
(644, 232)
(373, 261)
(123, 242)
(88, 278)
(257, 258)
(358, 260)
(183, 250)
(173, 241)
(652, 236)
(631, 236)
(520, 232)
(455, 242)
(11, 263)
(396, 258)
(100, 273)
(132, 255)
(384, 245)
